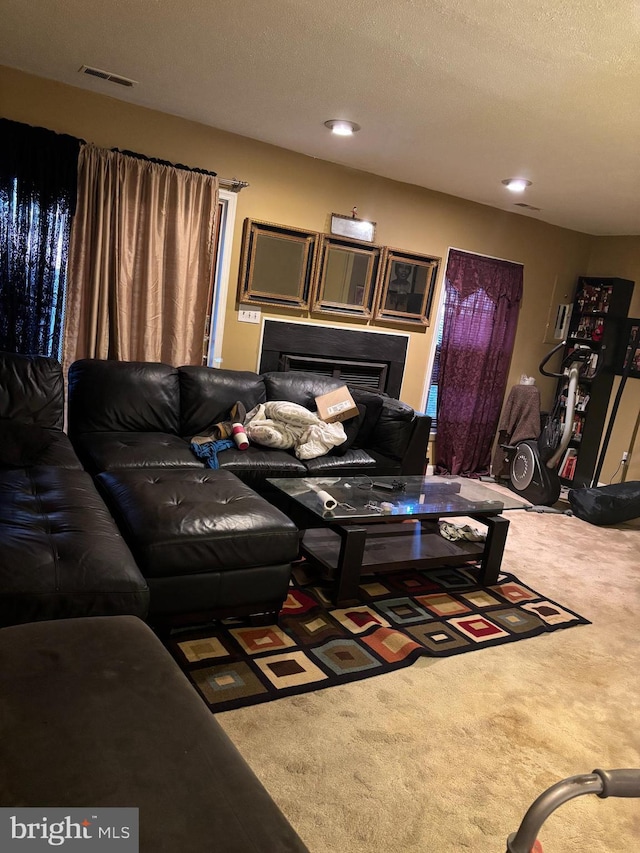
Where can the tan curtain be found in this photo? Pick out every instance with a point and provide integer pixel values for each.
(141, 260)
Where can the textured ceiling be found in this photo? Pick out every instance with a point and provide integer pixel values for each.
(454, 95)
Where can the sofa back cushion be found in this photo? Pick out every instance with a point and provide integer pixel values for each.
(393, 430)
(299, 387)
(31, 390)
(207, 395)
(123, 396)
(370, 406)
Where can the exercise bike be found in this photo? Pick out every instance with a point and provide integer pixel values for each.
(533, 463)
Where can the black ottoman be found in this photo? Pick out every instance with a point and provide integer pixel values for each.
(95, 713)
(207, 544)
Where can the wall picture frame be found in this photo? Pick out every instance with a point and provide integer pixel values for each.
(277, 264)
(346, 277)
(407, 287)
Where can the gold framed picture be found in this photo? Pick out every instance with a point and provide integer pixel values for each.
(277, 264)
(407, 287)
(346, 277)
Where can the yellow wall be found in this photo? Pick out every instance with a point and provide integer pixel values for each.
(293, 189)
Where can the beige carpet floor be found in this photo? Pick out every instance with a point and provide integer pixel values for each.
(448, 754)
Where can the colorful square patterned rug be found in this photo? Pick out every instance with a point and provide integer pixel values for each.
(401, 617)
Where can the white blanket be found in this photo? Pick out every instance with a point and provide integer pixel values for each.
(289, 425)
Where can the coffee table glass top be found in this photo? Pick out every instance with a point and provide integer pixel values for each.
(358, 499)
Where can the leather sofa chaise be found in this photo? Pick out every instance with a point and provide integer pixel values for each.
(207, 544)
(61, 554)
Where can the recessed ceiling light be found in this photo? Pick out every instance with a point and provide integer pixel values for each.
(341, 127)
(516, 185)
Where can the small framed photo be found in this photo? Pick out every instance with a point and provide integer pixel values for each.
(355, 229)
(629, 356)
(408, 285)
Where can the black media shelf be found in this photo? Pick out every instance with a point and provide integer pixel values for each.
(600, 309)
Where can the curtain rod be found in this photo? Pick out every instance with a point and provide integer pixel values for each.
(232, 184)
(482, 255)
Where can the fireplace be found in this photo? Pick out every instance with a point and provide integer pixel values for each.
(371, 359)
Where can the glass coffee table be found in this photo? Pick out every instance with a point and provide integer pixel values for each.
(376, 529)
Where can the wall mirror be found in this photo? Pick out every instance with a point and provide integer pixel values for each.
(346, 277)
(276, 266)
(407, 287)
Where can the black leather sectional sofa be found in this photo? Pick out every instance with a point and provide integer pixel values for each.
(207, 540)
(142, 415)
(93, 711)
(189, 540)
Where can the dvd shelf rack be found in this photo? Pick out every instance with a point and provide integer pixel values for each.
(600, 308)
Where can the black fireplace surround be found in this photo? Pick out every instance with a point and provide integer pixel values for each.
(375, 360)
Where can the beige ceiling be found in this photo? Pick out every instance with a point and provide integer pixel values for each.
(454, 95)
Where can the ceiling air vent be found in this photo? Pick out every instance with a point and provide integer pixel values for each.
(527, 206)
(107, 75)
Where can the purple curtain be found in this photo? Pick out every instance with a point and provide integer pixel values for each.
(481, 314)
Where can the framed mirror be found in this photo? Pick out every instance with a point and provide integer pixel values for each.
(407, 287)
(346, 277)
(276, 265)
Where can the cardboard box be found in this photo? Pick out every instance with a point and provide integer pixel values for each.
(337, 405)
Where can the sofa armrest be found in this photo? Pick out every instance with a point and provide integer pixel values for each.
(415, 458)
(402, 434)
(31, 390)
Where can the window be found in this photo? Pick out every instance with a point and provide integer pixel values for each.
(431, 407)
(226, 216)
(477, 304)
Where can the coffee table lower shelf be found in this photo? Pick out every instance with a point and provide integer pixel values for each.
(387, 547)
